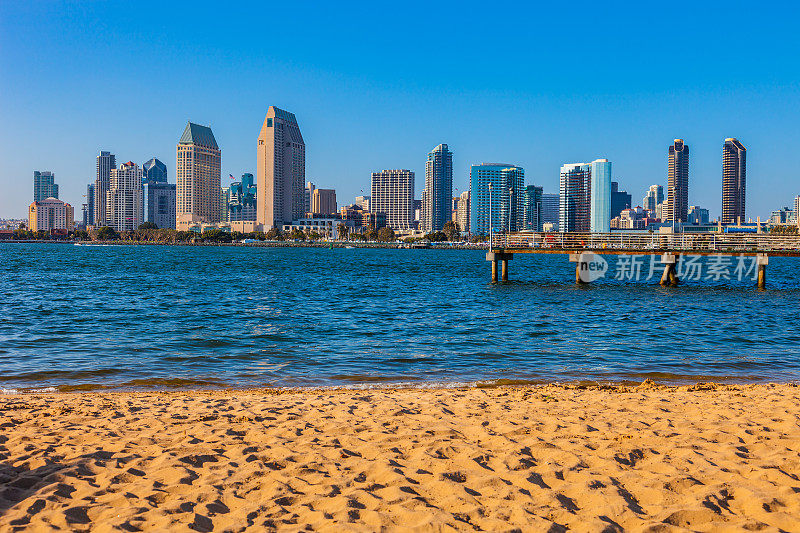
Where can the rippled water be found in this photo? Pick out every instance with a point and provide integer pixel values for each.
(78, 317)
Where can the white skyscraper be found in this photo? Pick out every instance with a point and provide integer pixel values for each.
(124, 197)
(393, 195)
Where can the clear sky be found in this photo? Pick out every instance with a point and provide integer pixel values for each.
(378, 85)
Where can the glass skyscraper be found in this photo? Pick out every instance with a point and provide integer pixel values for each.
(44, 186)
(600, 193)
(154, 171)
(438, 193)
(573, 211)
(507, 198)
(734, 159)
(532, 208)
(677, 206)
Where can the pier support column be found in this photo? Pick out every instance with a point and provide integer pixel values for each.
(580, 264)
(502, 257)
(762, 260)
(670, 275)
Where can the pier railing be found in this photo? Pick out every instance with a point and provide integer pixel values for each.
(638, 243)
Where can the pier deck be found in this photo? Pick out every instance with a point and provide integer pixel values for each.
(671, 246)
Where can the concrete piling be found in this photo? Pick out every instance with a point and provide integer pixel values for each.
(670, 275)
(762, 260)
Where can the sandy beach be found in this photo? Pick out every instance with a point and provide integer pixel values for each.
(550, 458)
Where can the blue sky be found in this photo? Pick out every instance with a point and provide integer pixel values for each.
(377, 86)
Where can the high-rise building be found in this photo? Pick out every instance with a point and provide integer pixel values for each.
(308, 193)
(697, 215)
(158, 201)
(106, 161)
(438, 193)
(619, 200)
(676, 209)
(281, 170)
(462, 212)
(90, 204)
(532, 208)
(124, 197)
(44, 185)
(363, 202)
(600, 196)
(575, 197)
(550, 208)
(50, 214)
(797, 210)
(154, 171)
(242, 200)
(392, 193)
(323, 202)
(654, 196)
(198, 176)
(734, 166)
(504, 206)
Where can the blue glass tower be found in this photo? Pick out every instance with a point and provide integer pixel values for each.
(507, 198)
(600, 208)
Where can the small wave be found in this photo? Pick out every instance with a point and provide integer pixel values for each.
(28, 391)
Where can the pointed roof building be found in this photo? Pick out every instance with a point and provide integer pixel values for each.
(199, 135)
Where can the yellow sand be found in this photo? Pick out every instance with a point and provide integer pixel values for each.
(715, 458)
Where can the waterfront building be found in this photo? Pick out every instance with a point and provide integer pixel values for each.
(676, 209)
(364, 202)
(50, 214)
(654, 197)
(124, 197)
(504, 206)
(619, 200)
(360, 219)
(417, 213)
(323, 202)
(697, 215)
(600, 196)
(89, 205)
(575, 197)
(635, 218)
(462, 212)
(242, 199)
(438, 194)
(392, 193)
(532, 208)
(734, 163)
(550, 208)
(281, 170)
(154, 171)
(158, 201)
(44, 185)
(106, 161)
(308, 193)
(198, 175)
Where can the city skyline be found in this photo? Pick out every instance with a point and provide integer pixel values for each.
(344, 104)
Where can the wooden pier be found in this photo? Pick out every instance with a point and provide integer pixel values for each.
(582, 247)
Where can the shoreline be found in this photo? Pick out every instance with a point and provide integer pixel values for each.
(196, 386)
(264, 244)
(648, 457)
